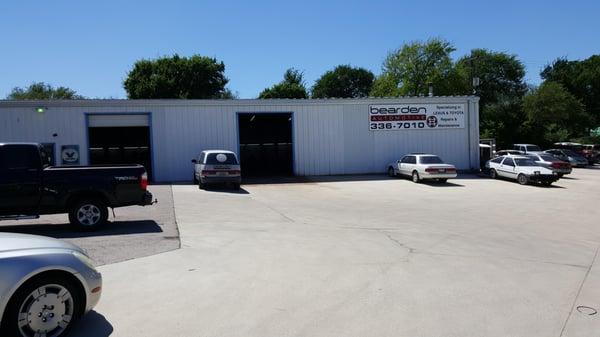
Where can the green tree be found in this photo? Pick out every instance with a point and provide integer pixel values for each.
(554, 114)
(177, 77)
(292, 86)
(412, 68)
(580, 78)
(344, 82)
(501, 88)
(42, 91)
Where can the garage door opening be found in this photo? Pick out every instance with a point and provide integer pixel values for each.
(117, 140)
(266, 144)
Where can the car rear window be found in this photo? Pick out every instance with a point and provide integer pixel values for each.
(525, 162)
(430, 160)
(533, 148)
(547, 158)
(221, 159)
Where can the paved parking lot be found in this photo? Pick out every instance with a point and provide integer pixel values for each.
(368, 256)
(135, 232)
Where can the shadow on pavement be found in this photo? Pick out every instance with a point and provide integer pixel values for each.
(439, 184)
(65, 231)
(92, 325)
(326, 179)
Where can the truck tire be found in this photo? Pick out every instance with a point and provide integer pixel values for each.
(88, 214)
(55, 309)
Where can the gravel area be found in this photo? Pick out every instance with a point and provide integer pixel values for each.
(135, 232)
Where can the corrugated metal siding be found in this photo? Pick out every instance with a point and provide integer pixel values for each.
(330, 136)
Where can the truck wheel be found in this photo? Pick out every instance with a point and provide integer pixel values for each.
(522, 179)
(415, 177)
(51, 305)
(88, 214)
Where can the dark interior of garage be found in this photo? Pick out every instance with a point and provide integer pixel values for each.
(266, 144)
(120, 145)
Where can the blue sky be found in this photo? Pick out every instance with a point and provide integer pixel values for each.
(90, 45)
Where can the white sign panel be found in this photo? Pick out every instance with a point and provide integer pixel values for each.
(400, 117)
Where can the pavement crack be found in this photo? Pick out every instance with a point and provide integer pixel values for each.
(397, 242)
(587, 273)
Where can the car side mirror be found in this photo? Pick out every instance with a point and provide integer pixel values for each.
(194, 161)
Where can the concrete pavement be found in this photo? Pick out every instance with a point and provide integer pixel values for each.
(477, 257)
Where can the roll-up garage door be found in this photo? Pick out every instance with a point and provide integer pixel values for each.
(106, 121)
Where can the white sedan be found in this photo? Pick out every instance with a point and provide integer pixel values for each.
(521, 168)
(421, 166)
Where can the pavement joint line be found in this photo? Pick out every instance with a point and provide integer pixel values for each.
(505, 258)
(587, 273)
(175, 216)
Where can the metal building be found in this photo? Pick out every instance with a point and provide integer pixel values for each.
(276, 137)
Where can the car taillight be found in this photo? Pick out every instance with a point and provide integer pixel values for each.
(556, 165)
(144, 181)
(234, 171)
(450, 169)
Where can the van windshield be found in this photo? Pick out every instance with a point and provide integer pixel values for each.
(221, 159)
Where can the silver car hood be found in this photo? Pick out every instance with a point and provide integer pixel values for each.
(16, 242)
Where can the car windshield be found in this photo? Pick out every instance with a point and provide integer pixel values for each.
(525, 162)
(533, 148)
(221, 159)
(430, 160)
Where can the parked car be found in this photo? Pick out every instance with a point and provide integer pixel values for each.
(30, 187)
(527, 148)
(46, 286)
(550, 162)
(592, 153)
(217, 166)
(521, 168)
(509, 152)
(421, 166)
(575, 147)
(569, 156)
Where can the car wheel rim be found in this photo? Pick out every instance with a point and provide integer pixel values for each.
(415, 177)
(47, 311)
(88, 215)
(522, 179)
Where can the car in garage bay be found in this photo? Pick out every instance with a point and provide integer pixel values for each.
(550, 162)
(420, 166)
(522, 169)
(47, 285)
(217, 166)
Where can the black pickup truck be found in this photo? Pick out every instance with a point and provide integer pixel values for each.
(30, 187)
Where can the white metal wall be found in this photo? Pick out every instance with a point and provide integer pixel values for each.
(330, 136)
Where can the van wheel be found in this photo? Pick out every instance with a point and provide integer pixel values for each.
(51, 305)
(415, 177)
(522, 179)
(493, 174)
(391, 172)
(88, 214)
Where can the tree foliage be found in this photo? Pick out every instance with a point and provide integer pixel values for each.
(412, 68)
(554, 114)
(501, 89)
(177, 77)
(580, 78)
(344, 81)
(42, 91)
(292, 86)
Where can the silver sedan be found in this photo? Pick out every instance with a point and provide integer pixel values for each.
(46, 285)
